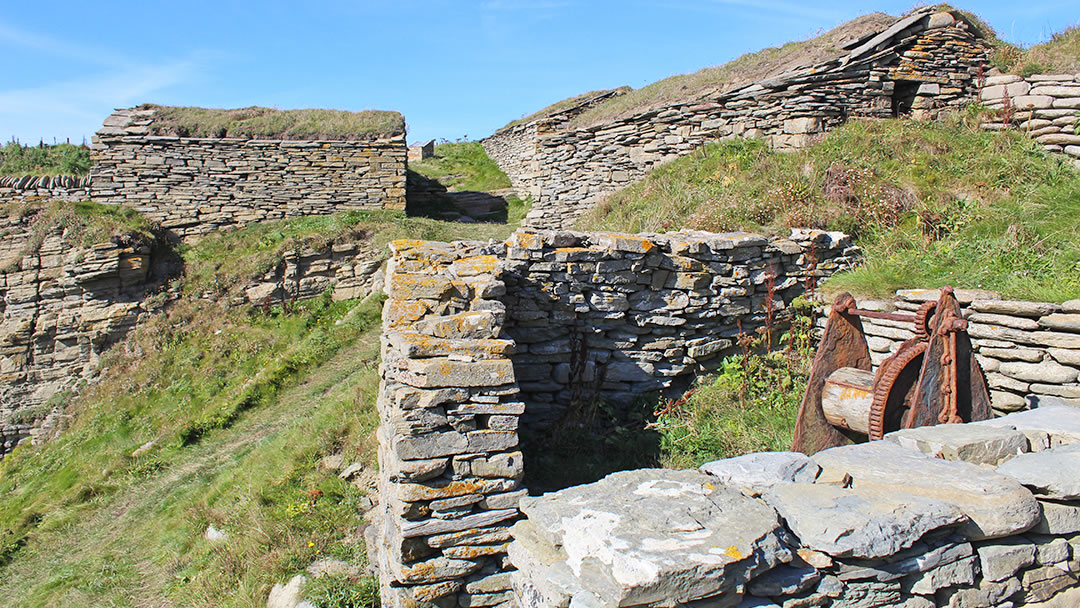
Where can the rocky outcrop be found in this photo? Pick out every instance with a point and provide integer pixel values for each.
(922, 64)
(881, 526)
(194, 185)
(61, 307)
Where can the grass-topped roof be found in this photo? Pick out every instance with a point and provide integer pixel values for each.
(269, 123)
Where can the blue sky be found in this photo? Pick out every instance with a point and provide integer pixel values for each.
(454, 68)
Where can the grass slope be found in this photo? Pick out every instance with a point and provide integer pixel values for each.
(930, 203)
(211, 417)
(462, 166)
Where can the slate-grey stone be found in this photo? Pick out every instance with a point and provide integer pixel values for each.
(1053, 473)
(960, 572)
(642, 536)
(762, 470)
(1060, 422)
(784, 580)
(966, 442)
(996, 505)
(1003, 558)
(858, 522)
(1058, 518)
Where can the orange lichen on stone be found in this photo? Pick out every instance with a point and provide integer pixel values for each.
(475, 265)
(525, 240)
(397, 313)
(625, 242)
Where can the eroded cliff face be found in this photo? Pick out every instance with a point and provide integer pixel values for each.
(61, 306)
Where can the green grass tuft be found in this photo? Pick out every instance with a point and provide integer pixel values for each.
(931, 204)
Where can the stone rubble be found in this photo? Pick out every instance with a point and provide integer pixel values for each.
(877, 536)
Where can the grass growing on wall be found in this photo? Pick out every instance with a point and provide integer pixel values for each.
(270, 123)
(81, 223)
(60, 159)
(931, 203)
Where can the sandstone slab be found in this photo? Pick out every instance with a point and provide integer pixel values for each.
(995, 504)
(969, 443)
(1000, 560)
(644, 536)
(856, 522)
(1060, 422)
(1053, 473)
(762, 470)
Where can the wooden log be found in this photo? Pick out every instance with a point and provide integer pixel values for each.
(847, 397)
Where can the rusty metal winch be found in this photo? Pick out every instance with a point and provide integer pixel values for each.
(933, 378)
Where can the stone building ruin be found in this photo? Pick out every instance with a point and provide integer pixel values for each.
(926, 62)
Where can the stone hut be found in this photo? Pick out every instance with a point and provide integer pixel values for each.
(927, 61)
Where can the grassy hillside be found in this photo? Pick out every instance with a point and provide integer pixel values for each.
(207, 417)
(930, 203)
(742, 70)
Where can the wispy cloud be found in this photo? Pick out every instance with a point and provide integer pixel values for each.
(75, 107)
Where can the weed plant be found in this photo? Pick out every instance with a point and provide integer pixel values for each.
(60, 159)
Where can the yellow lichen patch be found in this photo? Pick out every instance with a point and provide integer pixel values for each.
(734, 552)
(475, 265)
(625, 242)
(397, 313)
(525, 240)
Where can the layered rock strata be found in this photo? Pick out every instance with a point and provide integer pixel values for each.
(480, 339)
(1046, 107)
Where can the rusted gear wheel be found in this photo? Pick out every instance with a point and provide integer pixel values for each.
(922, 320)
(885, 382)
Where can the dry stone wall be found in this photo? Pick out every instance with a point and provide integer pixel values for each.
(61, 307)
(1045, 106)
(1030, 351)
(37, 189)
(480, 339)
(922, 64)
(194, 186)
(964, 516)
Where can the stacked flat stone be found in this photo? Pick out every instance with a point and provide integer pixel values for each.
(613, 316)
(567, 170)
(60, 308)
(449, 466)
(472, 332)
(196, 185)
(1030, 351)
(39, 189)
(922, 519)
(1044, 106)
(349, 269)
